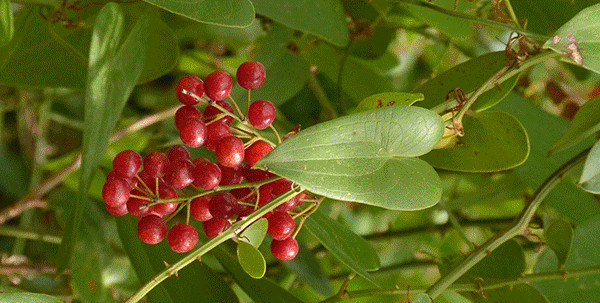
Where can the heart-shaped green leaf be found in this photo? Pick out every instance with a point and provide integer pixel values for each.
(585, 124)
(251, 260)
(590, 176)
(388, 99)
(493, 141)
(235, 13)
(255, 233)
(559, 237)
(578, 39)
(366, 158)
(6, 22)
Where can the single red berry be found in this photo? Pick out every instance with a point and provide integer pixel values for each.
(292, 203)
(281, 186)
(115, 192)
(151, 229)
(113, 174)
(127, 163)
(230, 175)
(193, 132)
(253, 174)
(261, 114)
(180, 173)
(207, 175)
(199, 208)
(177, 152)
(165, 192)
(250, 75)
(120, 210)
(138, 207)
(214, 133)
(182, 237)
(222, 205)
(217, 85)
(256, 151)
(285, 249)
(281, 225)
(186, 112)
(214, 226)
(155, 164)
(191, 84)
(211, 112)
(264, 194)
(230, 151)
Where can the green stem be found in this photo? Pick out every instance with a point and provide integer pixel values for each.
(517, 228)
(319, 92)
(22, 233)
(511, 13)
(229, 233)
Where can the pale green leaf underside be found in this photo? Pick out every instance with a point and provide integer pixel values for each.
(585, 124)
(590, 176)
(367, 158)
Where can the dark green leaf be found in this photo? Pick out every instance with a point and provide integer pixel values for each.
(6, 22)
(590, 177)
(468, 76)
(453, 27)
(162, 51)
(546, 16)
(251, 260)
(449, 296)
(323, 18)
(235, 13)
(286, 75)
(585, 124)
(255, 233)
(14, 175)
(506, 261)
(519, 293)
(578, 39)
(376, 44)
(192, 282)
(584, 253)
(260, 290)
(352, 250)
(307, 268)
(113, 71)
(559, 237)
(25, 297)
(422, 298)
(366, 158)
(495, 94)
(388, 99)
(493, 141)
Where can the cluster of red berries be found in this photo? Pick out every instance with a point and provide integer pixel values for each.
(140, 186)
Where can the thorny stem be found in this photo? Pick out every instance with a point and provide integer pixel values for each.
(516, 229)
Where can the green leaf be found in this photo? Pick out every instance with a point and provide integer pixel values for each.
(376, 44)
(366, 158)
(25, 297)
(113, 71)
(519, 293)
(255, 233)
(584, 253)
(251, 260)
(422, 298)
(455, 28)
(6, 22)
(590, 177)
(578, 39)
(559, 237)
(194, 281)
(352, 250)
(234, 13)
(468, 76)
(323, 18)
(260, 290)
(307, 268)
(546, 16)
(388, 99)
(506, 261)
(493, 141)
(449, 296)
(585, 124)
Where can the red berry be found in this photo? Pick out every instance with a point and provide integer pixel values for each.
(182, 237)
(214, 226)
(211, 112)
(281, 186)
(214, 133)
(137, 207)
(193, 85)
(178, 152)
(230, 151)
(120, 210)
(256, 151)
(281, 225)
(207, 175)
(285, 249)
(230, 175)
(253, 175)
(222, 205)
(250, 75)
(193, 132)
(217, 85)
(155, 164)
(127, 163)
(292, 203)
(199, 208)
(180, 173)
(151, 229)
(186, 112)
(261, 114)
(115, 192)
(165, 192)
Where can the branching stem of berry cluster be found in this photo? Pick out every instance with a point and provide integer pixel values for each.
(232, 232)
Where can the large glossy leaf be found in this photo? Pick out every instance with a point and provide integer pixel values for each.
(236, 13)
(590, 177)
(25, 297)
(352, 250)
(468, 76)
(578, 39)
(493, 141)
(114, 69)
(585, 124)
(323, 18)
(559, 237)
(586, 289)
(251, 260)
(192, 282)
(7, 26)
(366, 158)
(260, 290)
